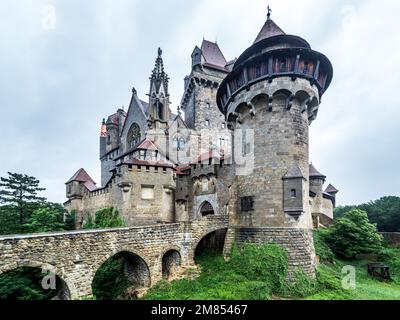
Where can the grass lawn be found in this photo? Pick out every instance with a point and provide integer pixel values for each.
(218, 281)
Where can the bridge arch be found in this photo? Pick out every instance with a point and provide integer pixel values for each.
(171, 260)
(68, 289)
(213, 239)
(134, 267)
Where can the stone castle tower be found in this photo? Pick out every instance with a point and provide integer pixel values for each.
(272, 94)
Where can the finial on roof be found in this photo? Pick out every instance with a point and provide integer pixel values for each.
(134, 90)
(269, 12)
(179, 110)
(104, 121)
(159, 52)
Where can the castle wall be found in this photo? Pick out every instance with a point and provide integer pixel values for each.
(297, 242)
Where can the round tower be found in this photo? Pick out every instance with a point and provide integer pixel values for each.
(274, 90)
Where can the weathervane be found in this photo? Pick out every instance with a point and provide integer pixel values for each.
(269, 13)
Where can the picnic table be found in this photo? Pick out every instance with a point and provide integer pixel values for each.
(379, 270)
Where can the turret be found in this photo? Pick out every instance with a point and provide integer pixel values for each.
(273, 93)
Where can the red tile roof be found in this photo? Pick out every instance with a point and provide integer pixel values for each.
(269, 29)
(147, 144)
(114, 118)
(82, 176)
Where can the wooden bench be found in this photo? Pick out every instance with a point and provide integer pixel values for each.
(379, 270)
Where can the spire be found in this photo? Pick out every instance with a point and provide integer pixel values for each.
(158, 75)
(269, 29)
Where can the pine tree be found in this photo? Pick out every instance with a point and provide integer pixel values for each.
(20, 191)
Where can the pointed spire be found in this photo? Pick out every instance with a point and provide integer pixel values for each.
(158, 75)
(269, 29)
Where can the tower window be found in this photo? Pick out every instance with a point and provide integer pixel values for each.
(293, 193)
(207, 123)
(247, 203)
(258, 71)
(223, 125)
(282, 66)
(208, 105)
(305, 68)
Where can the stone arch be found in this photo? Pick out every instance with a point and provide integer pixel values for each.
(70, 291)
(213, 239)
(171, 259)
(137, 267)
(206, 209)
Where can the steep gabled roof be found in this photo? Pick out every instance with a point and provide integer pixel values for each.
(213, 55)
(269, 29)
(314, 173)
(82, 176)
(147, 144)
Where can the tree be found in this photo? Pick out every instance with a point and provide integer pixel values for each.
(20, 190)
(385, 212)
(353, 234)
(49, 217)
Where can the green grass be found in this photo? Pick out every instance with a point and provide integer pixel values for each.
(221, 280)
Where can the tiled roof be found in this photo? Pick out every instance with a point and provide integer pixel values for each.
(314, 173)
(147, 144)
(113, 119)
(331, 189)
(213, 55)
(82, 176)
(269, 29)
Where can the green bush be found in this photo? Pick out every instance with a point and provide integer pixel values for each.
(321, 247)
(353, 234)
(267, 263)
(24, 284)
(105, 218)
(110, 280)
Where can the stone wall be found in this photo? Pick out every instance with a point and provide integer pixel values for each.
(298, 243)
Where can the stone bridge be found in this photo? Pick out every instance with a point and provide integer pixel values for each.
(76, 256)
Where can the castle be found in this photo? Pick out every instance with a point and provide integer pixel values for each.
(241, 150)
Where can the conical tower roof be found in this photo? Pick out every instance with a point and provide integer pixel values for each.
(331, 189)
(269, 29)
(314, 173)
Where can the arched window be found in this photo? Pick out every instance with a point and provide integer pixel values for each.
(206, 209)
(133, 135)
(160, 110)
(179, 143)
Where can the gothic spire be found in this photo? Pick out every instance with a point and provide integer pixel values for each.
(158, 75)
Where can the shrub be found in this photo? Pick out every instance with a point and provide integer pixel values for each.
(321, 247)
(105, 218)
(353, 234)
(267, 263)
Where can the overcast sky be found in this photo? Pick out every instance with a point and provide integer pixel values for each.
(65, 65)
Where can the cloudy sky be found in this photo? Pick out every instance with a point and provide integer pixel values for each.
(64, 65)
